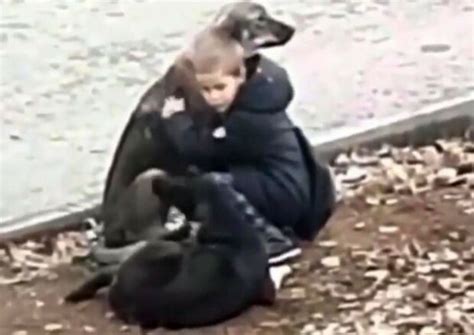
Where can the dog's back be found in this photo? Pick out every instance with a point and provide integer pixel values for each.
(186, 285)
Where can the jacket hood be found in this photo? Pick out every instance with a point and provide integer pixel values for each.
(268, 90)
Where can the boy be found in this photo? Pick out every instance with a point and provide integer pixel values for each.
(267, 158)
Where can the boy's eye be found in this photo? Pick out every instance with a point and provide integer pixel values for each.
(219, 87)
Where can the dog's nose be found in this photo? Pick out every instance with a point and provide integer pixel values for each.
(285, 18)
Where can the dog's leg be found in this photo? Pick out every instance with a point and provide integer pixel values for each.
(177, 234)
(139, 214)
(134, 155)
(176, 191)
(106, 256)
(87, 290)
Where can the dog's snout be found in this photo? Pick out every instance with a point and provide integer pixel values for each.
(285, 19)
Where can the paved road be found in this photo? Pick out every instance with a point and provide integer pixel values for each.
(70, 73)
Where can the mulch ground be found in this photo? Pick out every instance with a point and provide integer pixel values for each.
(401, 268)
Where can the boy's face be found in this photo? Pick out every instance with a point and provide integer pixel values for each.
(219, 89)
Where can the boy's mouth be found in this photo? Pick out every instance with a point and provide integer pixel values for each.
(221, 107)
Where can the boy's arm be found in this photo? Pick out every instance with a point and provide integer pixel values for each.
(207, 150)
(185, 137)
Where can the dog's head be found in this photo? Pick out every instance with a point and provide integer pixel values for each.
(252, 26)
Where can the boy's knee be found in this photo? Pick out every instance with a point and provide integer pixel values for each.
(214, 185)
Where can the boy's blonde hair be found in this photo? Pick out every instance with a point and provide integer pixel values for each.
(213, 50)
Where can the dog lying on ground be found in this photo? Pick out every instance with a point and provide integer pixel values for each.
(166, 283)
(138, 150)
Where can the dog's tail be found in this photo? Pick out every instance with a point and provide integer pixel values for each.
(87, 290)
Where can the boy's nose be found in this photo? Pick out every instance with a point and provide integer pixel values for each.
(214, 96)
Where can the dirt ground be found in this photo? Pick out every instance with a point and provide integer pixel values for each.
(375, 270)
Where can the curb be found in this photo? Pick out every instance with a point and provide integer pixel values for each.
(445, 119)
(449, 118)
(56, 219)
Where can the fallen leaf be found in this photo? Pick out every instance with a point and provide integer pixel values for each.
(444, 176)
(53, 327)
(388, 229)
(372, 201)
(413, 321)
(365, 160)
(89, 329)
(354, 175)
(349, 305)
(430, 330)
(359, 225)
(124, 328)
(331, 262)
(308, 329)
(342, 160)
(377, 274)
(20, 332)
(452, 285)
(269, 324)
(391, 201)
(431, 157)
(328, 244)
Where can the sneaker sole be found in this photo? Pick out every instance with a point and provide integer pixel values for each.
(293, 253)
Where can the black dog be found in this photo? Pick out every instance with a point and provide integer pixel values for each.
(138, 150)
(195, 283)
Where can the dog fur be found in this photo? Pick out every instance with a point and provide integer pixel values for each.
(138, 151)
(176, 284)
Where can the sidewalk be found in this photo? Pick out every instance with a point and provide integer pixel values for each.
(70, 74)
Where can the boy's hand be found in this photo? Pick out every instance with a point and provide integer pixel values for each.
(172, 105)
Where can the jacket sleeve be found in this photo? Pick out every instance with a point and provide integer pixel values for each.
(210, 152)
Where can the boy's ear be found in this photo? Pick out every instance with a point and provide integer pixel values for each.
(186, 63)
(182, 79)
(184, 66)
